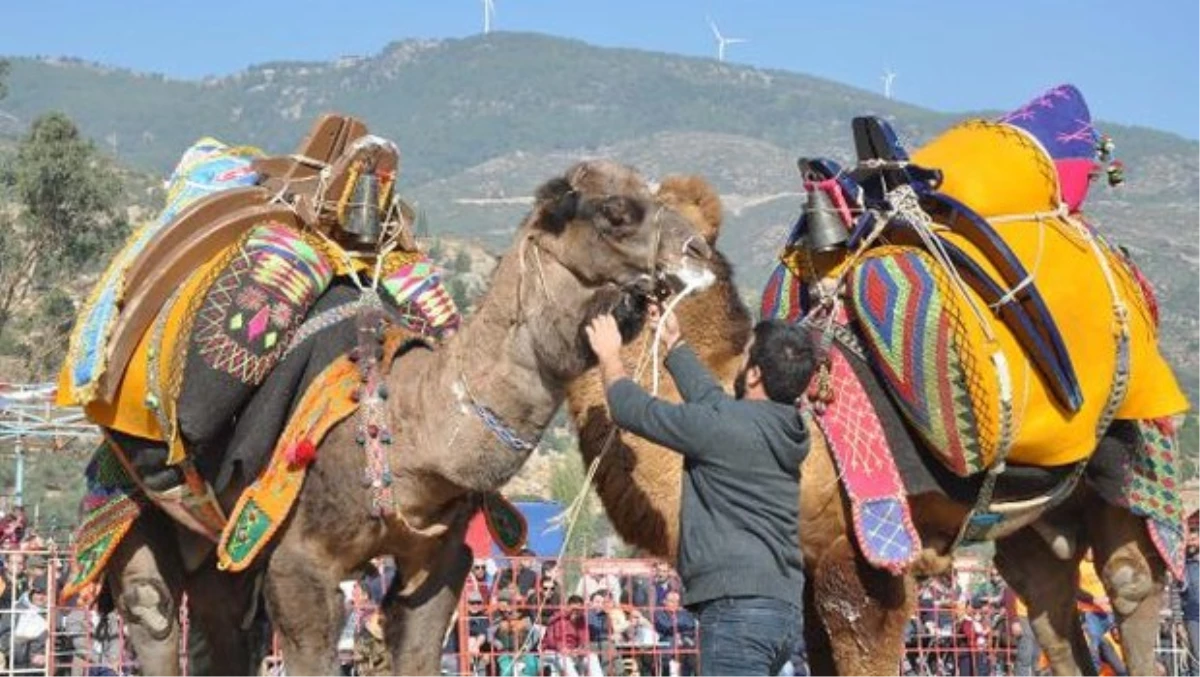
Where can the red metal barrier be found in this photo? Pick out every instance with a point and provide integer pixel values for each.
(529, 616)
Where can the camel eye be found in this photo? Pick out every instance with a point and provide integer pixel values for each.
(621, 213)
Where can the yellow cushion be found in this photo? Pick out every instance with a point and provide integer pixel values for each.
(1000, 173)
(129, 413)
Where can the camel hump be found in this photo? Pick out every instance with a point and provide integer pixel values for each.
(978, 156)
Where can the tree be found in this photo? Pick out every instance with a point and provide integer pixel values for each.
(3, 76)
(68, 212)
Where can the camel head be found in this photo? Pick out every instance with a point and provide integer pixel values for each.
(696, 199)
(602, 241)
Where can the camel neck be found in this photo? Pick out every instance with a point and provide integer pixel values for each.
(493, 380)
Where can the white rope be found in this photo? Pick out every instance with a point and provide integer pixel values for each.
(668, 310)
(1030, 273)
(907, 204)
(571, 515)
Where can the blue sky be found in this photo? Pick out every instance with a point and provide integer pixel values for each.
(1137, 63)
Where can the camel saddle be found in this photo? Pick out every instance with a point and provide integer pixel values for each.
(338, 183)
(977, 292)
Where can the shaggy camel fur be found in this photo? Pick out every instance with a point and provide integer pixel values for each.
(856, 613)
(596, 239)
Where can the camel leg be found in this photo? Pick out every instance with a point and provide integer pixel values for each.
(221, 609)
(416, 623)
(863, 610)
(818, 649)
(1048, 587)
(1134, 577)
(305, 603)
(145, 576)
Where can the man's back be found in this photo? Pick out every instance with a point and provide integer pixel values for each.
(740, 505)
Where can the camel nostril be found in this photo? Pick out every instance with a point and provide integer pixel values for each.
(696, 247)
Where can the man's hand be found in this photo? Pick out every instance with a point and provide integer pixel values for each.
(670, 331)
(605, 339)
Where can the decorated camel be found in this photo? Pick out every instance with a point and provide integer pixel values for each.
(858, 599)
(347, 442)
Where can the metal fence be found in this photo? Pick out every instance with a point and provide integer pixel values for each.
(529, 616)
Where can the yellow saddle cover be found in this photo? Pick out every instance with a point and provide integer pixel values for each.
(1005, 175)
(134, 409)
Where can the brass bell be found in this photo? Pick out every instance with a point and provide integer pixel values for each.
(824, 230)
(363, 225)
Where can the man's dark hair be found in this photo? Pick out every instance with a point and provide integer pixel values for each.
(784, 354)
(575, 599)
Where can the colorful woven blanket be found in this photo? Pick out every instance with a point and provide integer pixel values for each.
(1151, 490)
(107, 512)
(207, 167)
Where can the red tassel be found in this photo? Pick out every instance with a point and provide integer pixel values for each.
(302, 453)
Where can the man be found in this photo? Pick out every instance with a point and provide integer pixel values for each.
(565, 635)
(739, 555)
(1190, 592)
(676, 629)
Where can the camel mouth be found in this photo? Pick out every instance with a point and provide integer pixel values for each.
(689, 276)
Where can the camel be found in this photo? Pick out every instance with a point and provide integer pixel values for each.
(855, 613)
(596, 239)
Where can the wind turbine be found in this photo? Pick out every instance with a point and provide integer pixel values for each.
(489, 8)
(887, 77)
(722, 41)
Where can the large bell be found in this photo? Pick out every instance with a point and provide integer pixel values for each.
(363, 226)
(824, 230)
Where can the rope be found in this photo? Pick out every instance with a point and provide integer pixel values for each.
(1030, 274)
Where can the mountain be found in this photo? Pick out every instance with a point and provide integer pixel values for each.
(482, 121)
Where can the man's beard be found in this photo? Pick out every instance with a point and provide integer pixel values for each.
(739, 384)
(1191, 550)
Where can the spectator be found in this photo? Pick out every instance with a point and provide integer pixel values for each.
(477, 629)
(599, 629)
(548, 600)
(29, 635)
(477, 581)
(592, 582)
(972, 641)
(676, 628)
(1021, 632)
(1190, 593)
(565, 635)
(521, 572)
(371, 655)
(664, 581)
(638, 639)
(1097, 623)
(515, 635)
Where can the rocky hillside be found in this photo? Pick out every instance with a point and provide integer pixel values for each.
(483, 120)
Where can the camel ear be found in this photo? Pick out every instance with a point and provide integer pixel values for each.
(557, 203)
(697, 200)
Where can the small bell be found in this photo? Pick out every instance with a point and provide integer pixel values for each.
(363, 226)
(824, 230)
(1116, 173)
(1105, 147)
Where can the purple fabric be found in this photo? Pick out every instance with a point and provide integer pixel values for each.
(1060, 120)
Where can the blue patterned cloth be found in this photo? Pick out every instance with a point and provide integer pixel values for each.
(209, 166)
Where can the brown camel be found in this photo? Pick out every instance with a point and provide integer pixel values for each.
(856, 613)
(596, 238)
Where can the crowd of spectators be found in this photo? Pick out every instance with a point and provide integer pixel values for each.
(528, 617)
(531, 616)
(36, 635)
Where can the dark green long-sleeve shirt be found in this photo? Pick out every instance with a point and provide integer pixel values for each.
(739, 531)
